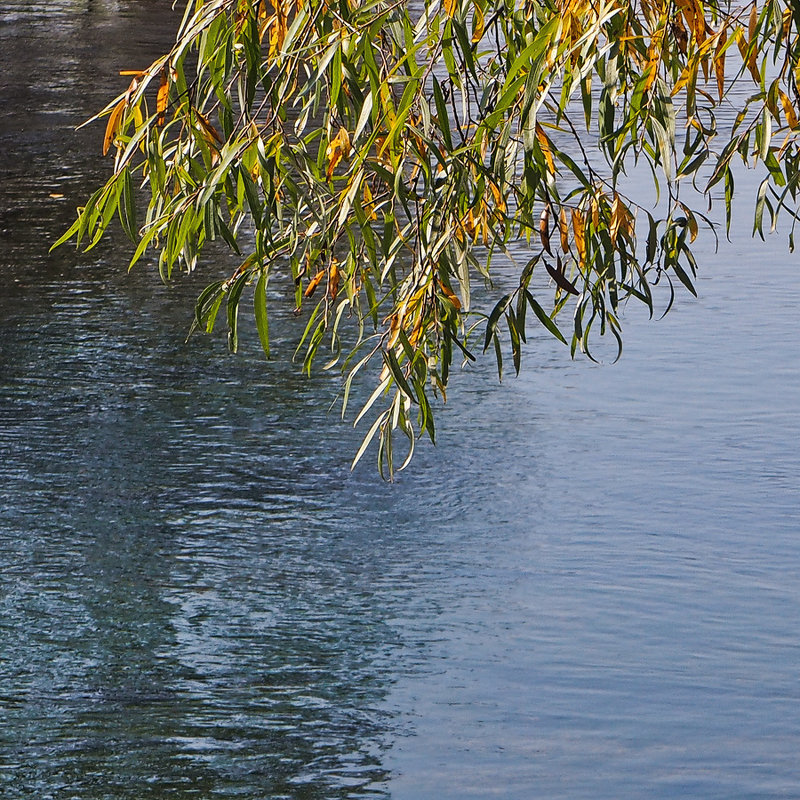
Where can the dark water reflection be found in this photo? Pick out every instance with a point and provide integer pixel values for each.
(590, 590)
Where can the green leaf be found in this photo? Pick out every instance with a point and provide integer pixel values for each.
(260, 304)
(494, 316)
(542, 316)
(234, 294)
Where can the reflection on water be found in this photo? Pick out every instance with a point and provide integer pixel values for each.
(588, 590)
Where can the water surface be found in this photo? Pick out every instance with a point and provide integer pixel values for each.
(589, 589)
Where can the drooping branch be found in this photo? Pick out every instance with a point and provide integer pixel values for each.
(381, 155)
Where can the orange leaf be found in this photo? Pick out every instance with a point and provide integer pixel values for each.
(338, 148)
(563, 227)
(313, 283)
(654, 55)
(621, 220)
(112, 128)
(333, 279)
(719, 63)
(579, 229)
(162, 98)
(450, 296)
(394, 331)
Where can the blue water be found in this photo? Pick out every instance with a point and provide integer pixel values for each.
(588, 589)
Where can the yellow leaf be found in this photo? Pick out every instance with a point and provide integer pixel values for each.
(788, 110)
(478, 24)
(368, 203)
(470, 225)
(416, 334)
(654, 55)
(688, 75)
(277, 29)
(787, 21)
(545, 145)
(498, 198)
(616, 219)
(692, 223)
(750, 45)
(387, 104)
(450, 7)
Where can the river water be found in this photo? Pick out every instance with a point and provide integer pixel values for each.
(589, 589)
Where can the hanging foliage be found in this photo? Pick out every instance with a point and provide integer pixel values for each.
(379, 154)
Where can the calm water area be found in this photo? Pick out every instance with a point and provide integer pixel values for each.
(589, 589)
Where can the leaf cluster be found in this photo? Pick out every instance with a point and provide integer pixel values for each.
(380, 156)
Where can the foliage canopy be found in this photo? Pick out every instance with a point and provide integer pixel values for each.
(379, 154)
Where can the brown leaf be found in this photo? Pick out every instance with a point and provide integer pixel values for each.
(560, 278)
(544, 229)
(208, 130)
